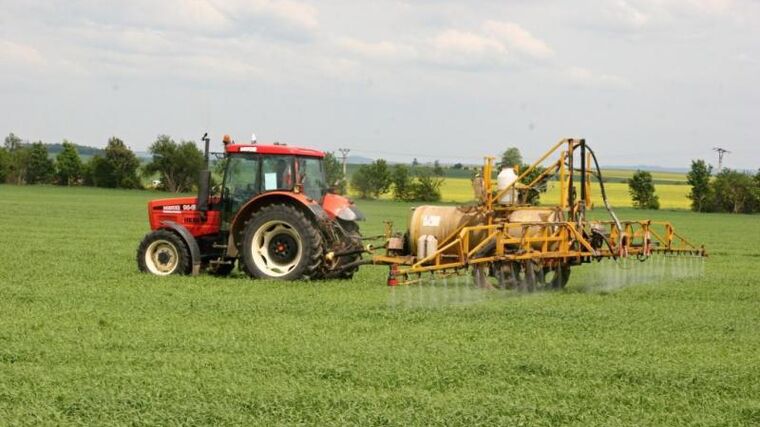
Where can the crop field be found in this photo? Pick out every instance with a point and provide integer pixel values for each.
(672, 196)
(87, 340)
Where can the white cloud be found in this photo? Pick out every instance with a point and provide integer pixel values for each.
(518, 38)
(383, 50)
(457, 42)
(586, 77)
(492, 43)
(12, 53)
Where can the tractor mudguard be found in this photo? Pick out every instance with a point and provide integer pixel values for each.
(318, 212)
(341, 207)
(350, 213)
(192, 244)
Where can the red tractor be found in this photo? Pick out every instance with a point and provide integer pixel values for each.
(273, 214)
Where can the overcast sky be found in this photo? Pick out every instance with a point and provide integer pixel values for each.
(645, 81)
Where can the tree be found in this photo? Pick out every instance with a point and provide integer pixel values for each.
(334, 173)
(426, 187)
(117, 168)
(372, 180)
(18, 156)
(457, 166)
(401, 182)
(40, 169)
(510, 158)
(5, 159)
(415, 163)
(641, 188)
(437, 169)
(88, 171)
(179, 165)
(533, 195)
(734, 191)
(68, 165)
(699, 179)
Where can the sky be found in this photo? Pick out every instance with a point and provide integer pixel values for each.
(646, 82)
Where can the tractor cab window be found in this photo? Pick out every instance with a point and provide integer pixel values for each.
(277, 173)
(312, 177)
(241, 180)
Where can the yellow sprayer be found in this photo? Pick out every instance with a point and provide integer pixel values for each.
(506, 242)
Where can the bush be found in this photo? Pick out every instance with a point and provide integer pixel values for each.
(372, 180)
(426, 188)
(117, 169)
(734, 191)
(401, 181)
(641, 188)
(179, 165)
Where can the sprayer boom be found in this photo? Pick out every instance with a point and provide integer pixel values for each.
(505, 238)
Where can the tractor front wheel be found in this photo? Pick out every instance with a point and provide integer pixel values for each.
(281, 242)
(162, 253)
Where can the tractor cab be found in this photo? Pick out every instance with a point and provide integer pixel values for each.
(251, 170)
(273, 214)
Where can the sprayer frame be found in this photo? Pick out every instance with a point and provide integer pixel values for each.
(570, 241)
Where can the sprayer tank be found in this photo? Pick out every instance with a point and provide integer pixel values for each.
(439, 222)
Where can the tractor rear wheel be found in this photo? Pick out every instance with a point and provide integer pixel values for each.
(162, 253)
(281, 242)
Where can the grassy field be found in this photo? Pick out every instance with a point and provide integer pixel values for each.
(86, 340)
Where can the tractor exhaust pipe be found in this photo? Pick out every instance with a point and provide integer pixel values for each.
(204, 180)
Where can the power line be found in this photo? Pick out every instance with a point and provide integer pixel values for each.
(344, 156)
(721, 152)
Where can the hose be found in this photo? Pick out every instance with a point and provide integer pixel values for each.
(604, 193)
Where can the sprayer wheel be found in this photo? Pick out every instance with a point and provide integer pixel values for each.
(556, 277)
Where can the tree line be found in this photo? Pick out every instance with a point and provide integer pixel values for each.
(423, 183)
(403, 182)
(177, 163)
(729, 190)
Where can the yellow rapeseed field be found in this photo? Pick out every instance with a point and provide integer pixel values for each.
(672, 196)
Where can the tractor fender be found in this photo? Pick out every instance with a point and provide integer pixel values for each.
(309, 206)
(192, 244)
(341, 207)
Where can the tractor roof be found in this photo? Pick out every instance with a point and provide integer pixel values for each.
(273, 149)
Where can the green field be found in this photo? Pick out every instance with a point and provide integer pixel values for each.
(86, 340)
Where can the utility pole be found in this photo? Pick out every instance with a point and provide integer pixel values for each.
(344, 156)
(721, 152)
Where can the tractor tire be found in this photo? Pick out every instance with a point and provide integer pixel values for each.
(163, 252)
(281, 242)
